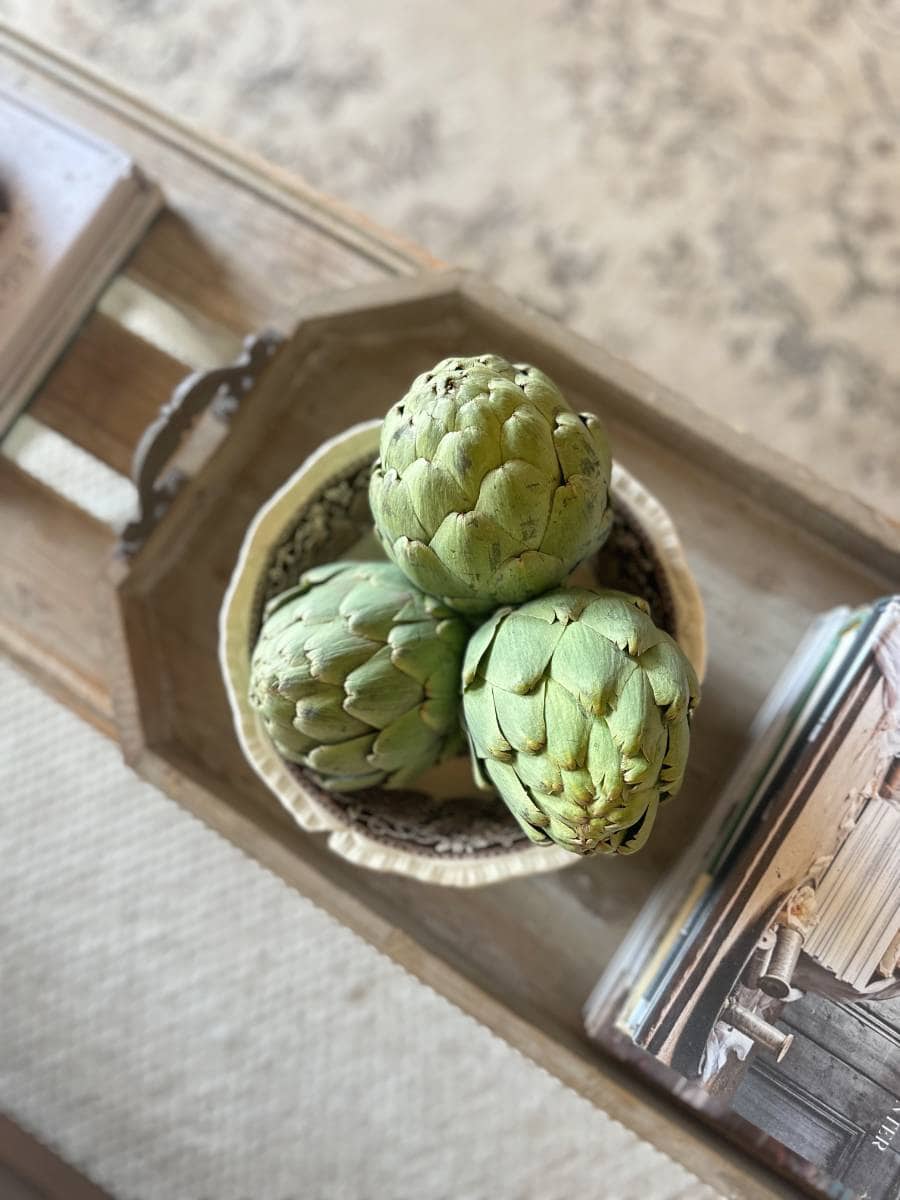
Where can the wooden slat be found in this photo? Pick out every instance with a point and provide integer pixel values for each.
(240, 242)
(106, 390)
(30, 1171)
(244, 266)
(53, 558)
(272, 185)
(243, 242)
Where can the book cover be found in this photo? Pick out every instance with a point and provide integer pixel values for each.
(761, 986)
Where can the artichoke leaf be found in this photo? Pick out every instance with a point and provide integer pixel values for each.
(579, 520)
(635, 840)
(567, 808)
(378, 693)
(568, 728)
(516, 497)
(476, 418)
(290, 743)
(597, 433)
(504, 397)
(473, 546)
(274, 708)
(527, 436)
(635, 707)
(578, 790)
(517, 800)
(483, 726)
(334, 652)
(321, 717)
(520, 652)
(590, 667)
(671, 677)
(429, 430)
(405, 743)
(453, 634)
(343, 758)
(482, 782)
(576, 836)
(564, 605)
(521, 719)
(315, 576)
(479, 644)
(624, 620)
(279, 604)
(393, 508)
(604, 762)
(282, 677)
(579, 455)
(440, 709)
(427, 571)
(398, 439)
(675, 761)
(466, 456)
(628, 814)
(526, 573)
(418, 651)
(539, 774)
(434, 494)
(542, 392)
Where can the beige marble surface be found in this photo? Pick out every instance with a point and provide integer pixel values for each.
(708, 187)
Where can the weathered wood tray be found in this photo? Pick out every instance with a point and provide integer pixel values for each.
(769, 546)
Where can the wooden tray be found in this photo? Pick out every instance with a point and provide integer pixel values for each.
(769, 546)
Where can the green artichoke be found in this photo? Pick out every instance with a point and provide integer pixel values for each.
(489, 488)
(577, 709)
(356, 676)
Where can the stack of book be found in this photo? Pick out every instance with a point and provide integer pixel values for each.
(761, 984)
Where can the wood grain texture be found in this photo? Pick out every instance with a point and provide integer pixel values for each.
(30, 1171)
(53, 559)
(238, 244)
(107, 390)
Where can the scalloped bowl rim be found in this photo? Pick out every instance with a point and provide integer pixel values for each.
(353, 444)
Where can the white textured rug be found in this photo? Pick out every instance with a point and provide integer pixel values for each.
(180, 1025)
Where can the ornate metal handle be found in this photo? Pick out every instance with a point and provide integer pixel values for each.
(221, 390)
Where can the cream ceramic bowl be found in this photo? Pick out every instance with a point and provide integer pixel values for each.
(446, 831)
